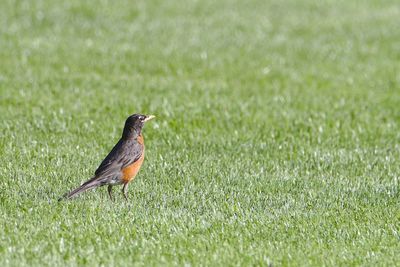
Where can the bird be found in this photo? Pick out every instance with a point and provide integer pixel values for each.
(122, 164)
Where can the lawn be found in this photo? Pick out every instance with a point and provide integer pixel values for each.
(276, 142)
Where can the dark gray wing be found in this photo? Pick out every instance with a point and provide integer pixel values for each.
(123, 154)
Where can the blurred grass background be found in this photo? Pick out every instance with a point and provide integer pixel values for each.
(276, 139)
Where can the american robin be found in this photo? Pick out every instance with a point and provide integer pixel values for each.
(123, 162)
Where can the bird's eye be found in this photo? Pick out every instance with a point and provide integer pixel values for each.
(141, 118)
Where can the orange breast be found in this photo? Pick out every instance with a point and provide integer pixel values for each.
(130, 171)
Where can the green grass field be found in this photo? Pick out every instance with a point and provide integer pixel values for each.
(276, 140)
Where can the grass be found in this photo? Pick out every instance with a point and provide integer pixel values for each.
(276, 140)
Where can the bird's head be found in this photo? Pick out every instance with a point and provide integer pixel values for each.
(134, 124)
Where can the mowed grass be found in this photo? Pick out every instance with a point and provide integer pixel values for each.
(276, 140)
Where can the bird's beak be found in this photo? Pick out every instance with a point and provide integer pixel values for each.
(149, 118)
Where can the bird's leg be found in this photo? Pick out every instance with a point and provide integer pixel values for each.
(109, 189)
(125, 191)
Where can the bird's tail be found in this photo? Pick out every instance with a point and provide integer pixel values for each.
(90, 184)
